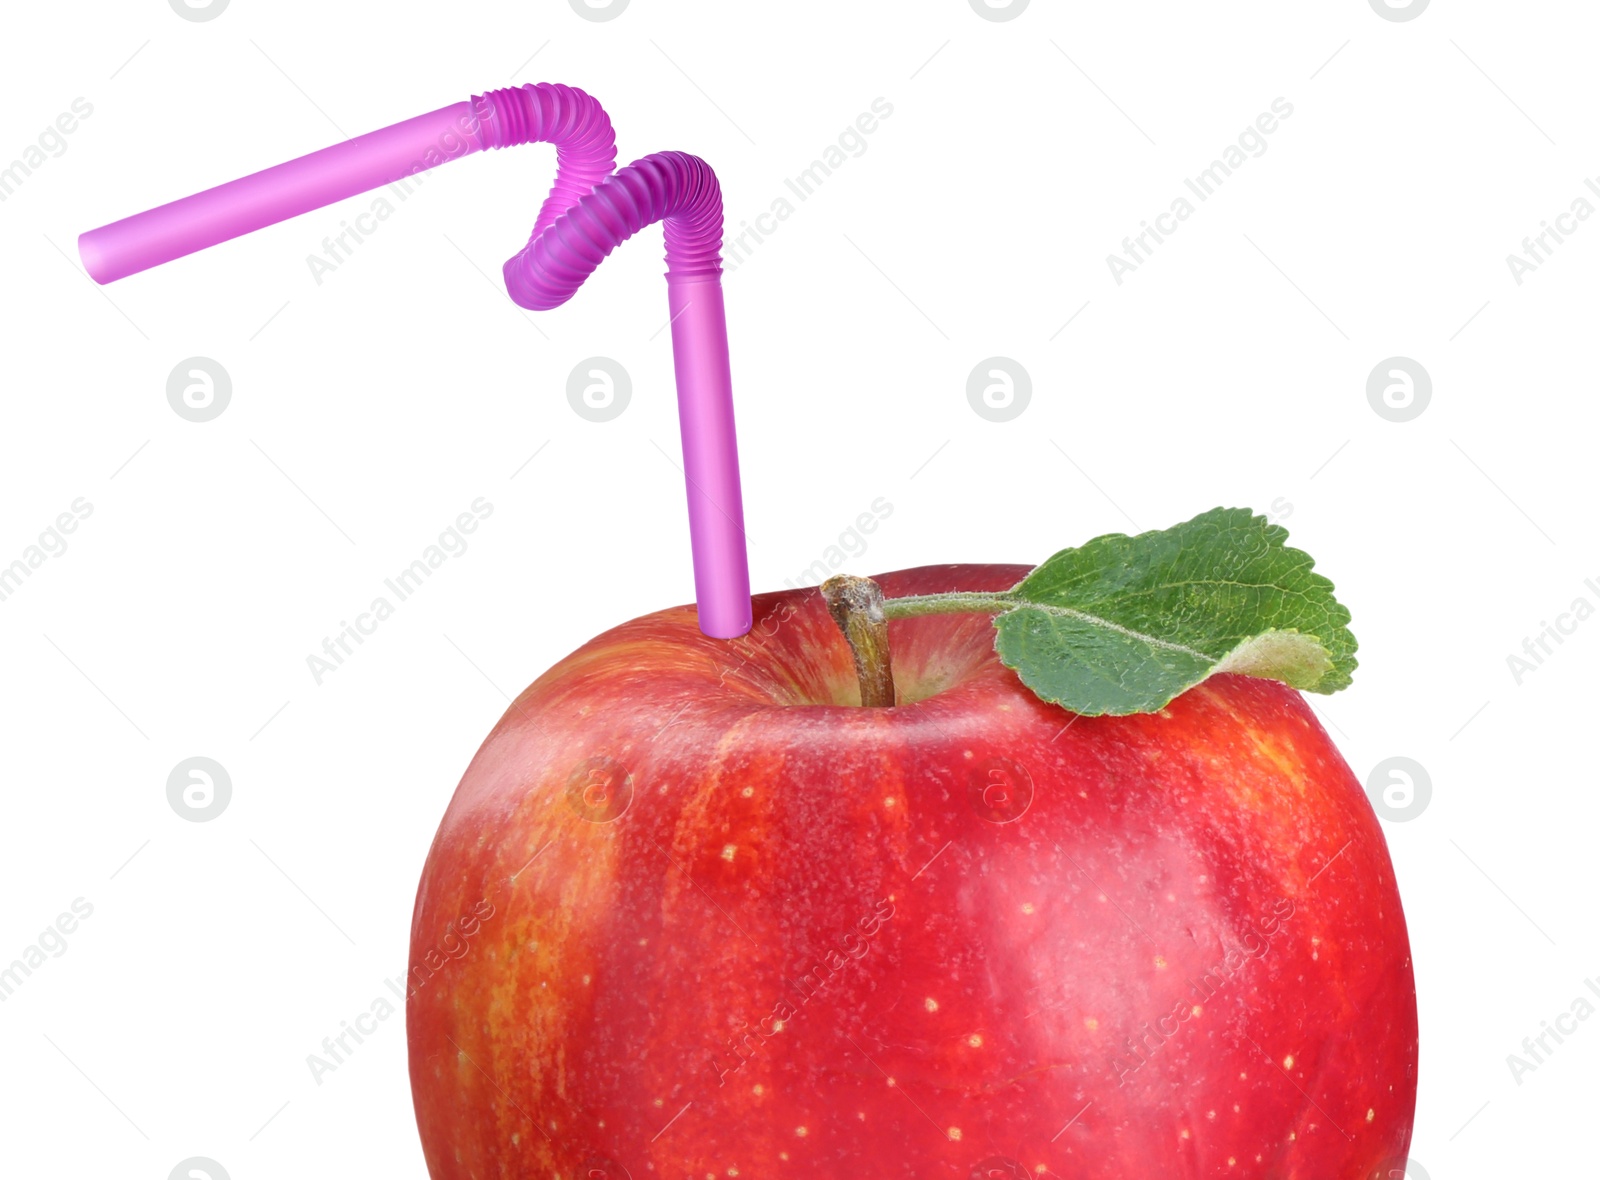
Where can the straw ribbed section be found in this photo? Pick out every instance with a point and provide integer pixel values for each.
(548, 112)
(671, 187)
(591, 211)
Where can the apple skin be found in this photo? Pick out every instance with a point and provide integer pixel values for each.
(692, 913)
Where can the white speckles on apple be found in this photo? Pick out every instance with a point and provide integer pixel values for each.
(729, 851)
(801, 1132)
(1371, 1114)
(954, 1134)
(931, 1004)
(1027, 907)
(1090, 1023)
(976, 1042)
(1161, 963)
(747, 792)
(1288, 1062)
(758, 1089)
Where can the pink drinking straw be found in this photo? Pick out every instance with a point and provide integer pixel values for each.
(589, 212)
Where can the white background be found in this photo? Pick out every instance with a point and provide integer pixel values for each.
(372, 408)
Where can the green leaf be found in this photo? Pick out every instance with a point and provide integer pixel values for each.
(1124, 624)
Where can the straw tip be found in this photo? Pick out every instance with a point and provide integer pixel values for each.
(94, 259)
(725, 618)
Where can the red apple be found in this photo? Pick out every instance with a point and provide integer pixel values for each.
(693, 912)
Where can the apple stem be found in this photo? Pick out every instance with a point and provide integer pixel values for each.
(955, 603)
(856, 605)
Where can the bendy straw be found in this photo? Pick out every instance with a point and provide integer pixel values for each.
(590, 211)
